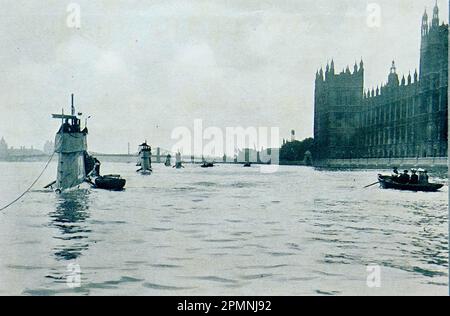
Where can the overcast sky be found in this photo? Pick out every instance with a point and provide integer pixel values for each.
(142, 68)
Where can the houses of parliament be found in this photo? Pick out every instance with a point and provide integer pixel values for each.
(406, 117)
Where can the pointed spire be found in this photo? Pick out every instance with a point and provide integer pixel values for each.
(415, 76)
(361, 64)
(435, 21)
(347, 70)
(409, 78)
(425, 15)
(320, 75)
(403, 80)
(425, 23)
(393, 80)
(393, 68)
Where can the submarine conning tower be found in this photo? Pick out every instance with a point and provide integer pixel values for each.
(145, 153)
(71, 147)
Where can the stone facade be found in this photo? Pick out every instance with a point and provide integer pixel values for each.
(403, 118)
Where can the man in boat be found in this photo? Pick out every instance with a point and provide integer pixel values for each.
(97, 167)
(414, 177)
(395, 173)
(423, 176)
(404, 177)
(89, 164)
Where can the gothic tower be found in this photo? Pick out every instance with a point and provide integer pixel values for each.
(434, 46)
(433, 78)
(337, 100)
(406, 118)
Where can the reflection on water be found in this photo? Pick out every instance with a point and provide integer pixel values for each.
(70, 217)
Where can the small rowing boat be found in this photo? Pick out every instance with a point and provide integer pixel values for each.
(387, 182)
(110, 182)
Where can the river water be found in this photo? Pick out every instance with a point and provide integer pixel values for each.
(222, 231)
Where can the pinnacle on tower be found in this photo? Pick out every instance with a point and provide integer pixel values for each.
(393, 68)
(347, 70)
(425, 23)
(393, 80)
(425, 15)
(435, 22)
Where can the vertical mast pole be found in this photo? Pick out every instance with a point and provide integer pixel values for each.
(73, 107)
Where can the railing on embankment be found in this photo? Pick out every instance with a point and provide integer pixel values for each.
(377, 163)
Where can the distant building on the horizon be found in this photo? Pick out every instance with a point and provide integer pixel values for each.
(406, 117)
(10, 153)
(3, 149)
(49, 147)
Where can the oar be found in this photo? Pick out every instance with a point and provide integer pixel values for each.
(88, 180)
(49, 185)
(371, 184)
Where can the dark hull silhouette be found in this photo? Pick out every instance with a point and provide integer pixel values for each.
(387, 182)
(110, 182)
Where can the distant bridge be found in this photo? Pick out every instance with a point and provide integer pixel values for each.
(159, 157)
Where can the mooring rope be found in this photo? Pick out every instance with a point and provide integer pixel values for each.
(31, 186)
